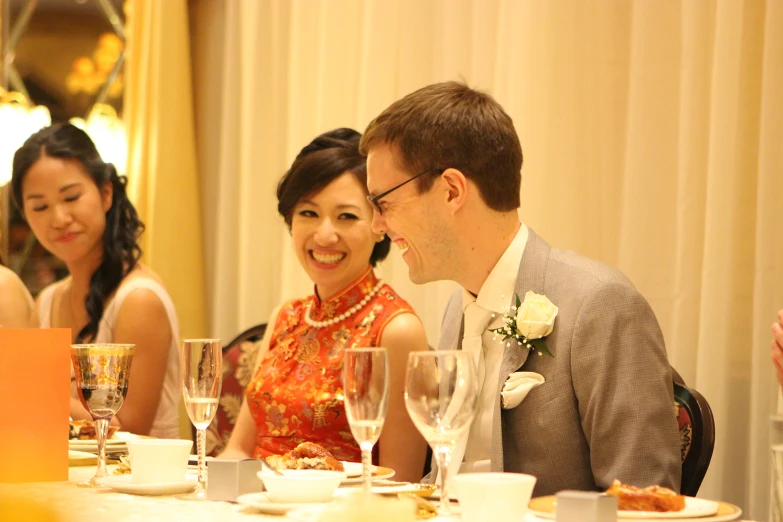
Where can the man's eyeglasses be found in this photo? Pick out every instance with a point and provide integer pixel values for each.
(374, 199)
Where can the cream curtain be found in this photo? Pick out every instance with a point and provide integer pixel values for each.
(163, 181)
(652, 135)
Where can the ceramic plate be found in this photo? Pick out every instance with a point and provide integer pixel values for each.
(354, 469)
(263, 503)
(694, 508)
(119, 438)
(378, 473)
(81, 458)
(312, 514)
(387, 487)
(114, 445)
(123, 484)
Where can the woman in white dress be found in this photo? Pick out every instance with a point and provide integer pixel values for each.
(78, 209)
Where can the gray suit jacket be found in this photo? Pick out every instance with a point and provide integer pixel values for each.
(606, 410)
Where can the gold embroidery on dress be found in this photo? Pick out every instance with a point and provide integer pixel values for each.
(371, 317)
(308, 351)
(286, 348)
(276, 422)
(319, 416)
(341, 338)
(329, 308)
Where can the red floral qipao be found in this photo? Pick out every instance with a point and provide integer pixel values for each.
(296, 394)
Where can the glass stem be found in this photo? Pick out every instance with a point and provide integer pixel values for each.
(101, 430)
(367, 467)
(443, 457)
(201, 447)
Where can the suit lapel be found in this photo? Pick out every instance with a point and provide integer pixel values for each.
(453, 324)
(532, 271)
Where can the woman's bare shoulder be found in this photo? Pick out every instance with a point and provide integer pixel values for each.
(142, 271)
(11, 284)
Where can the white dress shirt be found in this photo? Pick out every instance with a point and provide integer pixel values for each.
(495, 296)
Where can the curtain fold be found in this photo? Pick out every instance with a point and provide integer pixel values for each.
(651, 133)
(162, 176)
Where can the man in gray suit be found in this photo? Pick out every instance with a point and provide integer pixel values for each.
(444, 175)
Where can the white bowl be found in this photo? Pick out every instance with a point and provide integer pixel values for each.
(301, 485)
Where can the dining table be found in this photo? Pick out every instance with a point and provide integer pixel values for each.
(66, 502)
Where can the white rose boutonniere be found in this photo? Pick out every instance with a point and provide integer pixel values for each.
(529, 322)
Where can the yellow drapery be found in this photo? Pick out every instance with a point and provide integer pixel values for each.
(163, 181)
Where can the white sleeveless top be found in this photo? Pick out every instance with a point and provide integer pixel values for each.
(166, 422)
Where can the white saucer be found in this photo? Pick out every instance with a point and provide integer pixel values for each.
(378, 473)
(123, 484)
(263, 503)
(313, 513)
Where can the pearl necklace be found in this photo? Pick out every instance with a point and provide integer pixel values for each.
(334, 320)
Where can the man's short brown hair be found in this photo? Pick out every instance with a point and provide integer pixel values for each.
(450, 125)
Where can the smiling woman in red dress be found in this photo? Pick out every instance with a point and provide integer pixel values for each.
(296, 392)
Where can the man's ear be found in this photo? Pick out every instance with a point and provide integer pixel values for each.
(456, 185)
(107, 193)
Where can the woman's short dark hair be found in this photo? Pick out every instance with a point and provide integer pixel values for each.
(121, 250)
(320, 162)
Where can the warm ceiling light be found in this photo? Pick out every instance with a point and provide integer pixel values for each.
(108, 132)
(18, 120)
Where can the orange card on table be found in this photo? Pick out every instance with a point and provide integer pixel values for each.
(34, 404)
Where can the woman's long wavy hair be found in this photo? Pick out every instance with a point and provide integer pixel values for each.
(121, 250)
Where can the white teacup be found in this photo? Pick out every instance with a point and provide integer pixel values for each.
(158, 461)
(494, 496)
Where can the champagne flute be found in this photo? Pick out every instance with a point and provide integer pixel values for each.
(101, 372)
(441, 396)
(366, 391)
(201, 363)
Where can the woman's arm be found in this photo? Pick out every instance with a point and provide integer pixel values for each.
(16, 305)
(142, 320)
(402, 447)
(242, 443)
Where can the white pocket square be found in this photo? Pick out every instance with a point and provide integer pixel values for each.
(517, 387)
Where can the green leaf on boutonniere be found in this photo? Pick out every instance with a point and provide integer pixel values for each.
(539, 345)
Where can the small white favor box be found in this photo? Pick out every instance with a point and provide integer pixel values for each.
(585, 506)
(228, 479)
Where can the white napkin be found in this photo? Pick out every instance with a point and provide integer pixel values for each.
(517, 387)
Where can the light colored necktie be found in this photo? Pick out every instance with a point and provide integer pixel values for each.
(476, 321)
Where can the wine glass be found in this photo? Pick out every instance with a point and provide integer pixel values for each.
(366, 392)
(101, 372)
(201, 363)
(441, 396)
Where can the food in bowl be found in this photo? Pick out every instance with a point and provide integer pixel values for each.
(307, 455)
(651, 498)
(301, 485)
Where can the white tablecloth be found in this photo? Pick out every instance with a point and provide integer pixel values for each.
(66, 502)
(69, 503)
